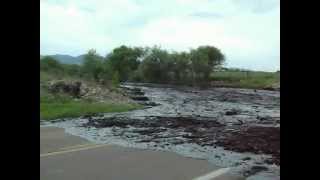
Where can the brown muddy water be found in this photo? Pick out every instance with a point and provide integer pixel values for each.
(237, 128)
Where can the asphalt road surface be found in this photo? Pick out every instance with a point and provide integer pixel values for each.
(67, 157)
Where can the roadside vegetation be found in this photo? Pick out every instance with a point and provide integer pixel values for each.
(63, 105)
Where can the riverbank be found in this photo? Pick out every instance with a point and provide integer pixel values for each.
(228, 79)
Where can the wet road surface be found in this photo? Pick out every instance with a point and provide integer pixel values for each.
(67, 157)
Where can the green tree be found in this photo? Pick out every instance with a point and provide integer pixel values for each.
(155, 66)
(204, 59)
(124, 60)
(48, 63)
(93, 65)
(180, 65)
(115, 79)
(72, 69)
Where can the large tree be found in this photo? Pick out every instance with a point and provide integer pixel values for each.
(93, 65)
(156, 65)
(204, 59)
(180, 65)
(124, 60)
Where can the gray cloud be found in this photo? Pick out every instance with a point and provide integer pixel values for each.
(247, 31)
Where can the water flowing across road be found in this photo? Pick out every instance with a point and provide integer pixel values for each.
(236, 128)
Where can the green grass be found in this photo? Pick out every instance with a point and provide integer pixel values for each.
(69, 109)
(62, 106)
(252, 79)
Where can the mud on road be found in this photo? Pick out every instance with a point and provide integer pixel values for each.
(228, 127)
(255, 139)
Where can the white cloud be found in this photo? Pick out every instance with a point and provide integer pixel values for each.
(248, 32)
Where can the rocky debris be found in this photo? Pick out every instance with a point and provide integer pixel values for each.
(269, 161)
(246, 159)
(132, 92)
(149, 104)
(108, 122)
(268, 120)
(139, 98)
(254, 170)
(188, 123)
(264, 118)
(86, 90)
(94, 91)
(71, 88)
(259, 140)
(149, 131)
(232, 112)
(91, 115)
(137, 91)
(204, 132)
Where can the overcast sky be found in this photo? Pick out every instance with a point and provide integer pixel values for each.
(247, 31)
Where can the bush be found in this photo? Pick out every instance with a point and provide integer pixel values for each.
(115, 79)
(50, 64)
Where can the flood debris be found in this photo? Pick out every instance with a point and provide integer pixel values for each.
(254, 170)
(237, 121)
(71, 88)
(138, 96)
(259, 140)
(232, 112)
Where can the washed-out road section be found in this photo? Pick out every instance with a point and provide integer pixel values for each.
(231, 128)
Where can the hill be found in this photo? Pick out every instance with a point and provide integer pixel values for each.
(67, 59)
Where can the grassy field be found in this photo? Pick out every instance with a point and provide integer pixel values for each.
(251, 79)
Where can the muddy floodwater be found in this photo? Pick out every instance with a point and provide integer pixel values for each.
(237, 128)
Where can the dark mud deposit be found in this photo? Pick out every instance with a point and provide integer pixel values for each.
(255, 139)
(237, 128)
(259, 140)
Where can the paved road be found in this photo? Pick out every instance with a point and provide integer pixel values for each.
(67, 157)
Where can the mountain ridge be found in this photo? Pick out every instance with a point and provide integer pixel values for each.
(66, 59)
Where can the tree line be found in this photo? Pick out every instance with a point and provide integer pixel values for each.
(137, 64)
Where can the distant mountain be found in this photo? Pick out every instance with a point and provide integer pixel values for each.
(67, 59)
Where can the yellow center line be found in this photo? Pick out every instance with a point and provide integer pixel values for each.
(75, 146)
(74, 149)
(212, 175)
